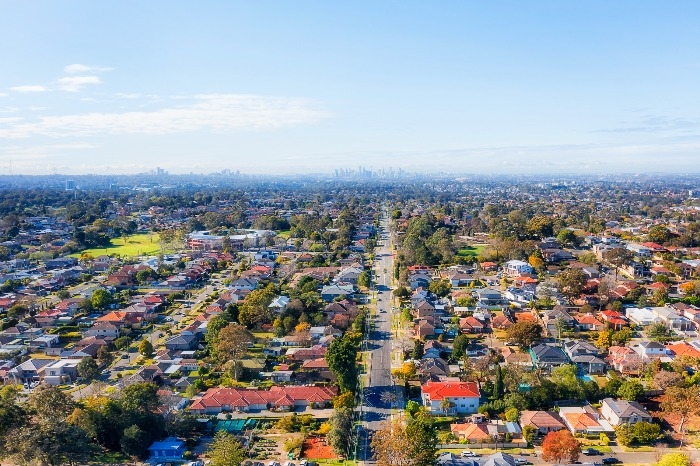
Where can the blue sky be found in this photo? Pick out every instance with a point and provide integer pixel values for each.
(309, 86)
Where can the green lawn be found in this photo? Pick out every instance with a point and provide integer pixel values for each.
(472, 251)
(145, 244)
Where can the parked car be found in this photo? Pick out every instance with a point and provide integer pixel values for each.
(468, 454)
(611, 460)
(521, 461)
(591, 451)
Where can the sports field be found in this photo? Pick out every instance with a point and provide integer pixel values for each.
(145, 244)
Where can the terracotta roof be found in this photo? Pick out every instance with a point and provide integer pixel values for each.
(539, 419)
(684, 349)
(441, 390)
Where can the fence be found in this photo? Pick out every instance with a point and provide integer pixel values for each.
(467, 446)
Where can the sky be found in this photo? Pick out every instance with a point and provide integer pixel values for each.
(282, 87)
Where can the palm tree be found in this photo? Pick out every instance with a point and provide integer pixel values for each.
(446, 405)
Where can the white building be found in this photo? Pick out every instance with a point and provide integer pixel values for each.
(462, 396)
(515, 268)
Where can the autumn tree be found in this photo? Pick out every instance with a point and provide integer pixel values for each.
(572, 282)
(682, 401)
(560, 445)
(524, 334)
(391, 446)
(663, 380)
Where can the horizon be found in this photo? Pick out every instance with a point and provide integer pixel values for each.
(275, 88)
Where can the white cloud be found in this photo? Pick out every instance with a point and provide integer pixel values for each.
(76, 83)
(217, 113)
(29, 88)
(3, 94)
(125, 95)
(78, 68)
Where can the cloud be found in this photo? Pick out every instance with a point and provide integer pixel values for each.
(4, 94)
(78, 68)
(76, 83)
(29, 88)
(656, 124)
(217, 113)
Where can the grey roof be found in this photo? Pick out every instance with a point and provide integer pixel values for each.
(499, 459)
(624, 408)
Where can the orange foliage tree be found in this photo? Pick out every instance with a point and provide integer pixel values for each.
(560, 445)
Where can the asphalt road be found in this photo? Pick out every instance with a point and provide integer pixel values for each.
(381, 394)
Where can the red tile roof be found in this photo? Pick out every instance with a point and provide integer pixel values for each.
(441, 390)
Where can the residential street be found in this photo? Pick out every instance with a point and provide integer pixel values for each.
(380, 393)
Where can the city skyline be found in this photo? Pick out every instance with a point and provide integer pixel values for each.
(278, 89)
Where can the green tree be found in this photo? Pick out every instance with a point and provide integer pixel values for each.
(624, 434)
(674, 459)
(512, 415)
(364, 279)
(226, 450)
(567, 238)
(340, 434)
(459, 346)
(440, 288)
(231, 344)
(134, 442)
(498, 388)
(524, 334)
(256, 307)
(422, 437)
(341, 358)
(146, 348)
(646, 432)
(87, 368)
(631, 390)
(100, 299)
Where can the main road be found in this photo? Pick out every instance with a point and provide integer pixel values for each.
(380, 394)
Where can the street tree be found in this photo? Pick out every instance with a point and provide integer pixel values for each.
(340, 434)
(560, 445)
(146, 348)
(231, 343)
(87, 368)
(682, 401)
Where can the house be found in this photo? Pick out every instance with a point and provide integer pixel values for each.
(279, 304)
(543, 421)
(515, 268)
(433, 349)
(463, 397)
(615, 319)
(649, 349)
(588, 322)
(624, 359)
(216, 400)
(170, 449)
(471, 432)
(103, 330)
(585, 356)
(181, 342)
(434, 368)
(584, 420)
(548, 357)
(29, 371)
(488, 297)
(61, 372)
(683, 348)
(330, 292)
(618, 412)
(501, 322)
(512, 356)
(471, 325)
(643, 317)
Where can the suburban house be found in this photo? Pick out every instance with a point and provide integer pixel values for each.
(170, 449)
(618, 412)
(181, 342)
(624, 359)
(279, 304)
(649, 349)
(588, 322)
(515, 268)
(585, 356)
(330, 292)
(584, 420)
(217, 400)
(488, 297)
(543, 421)
(548, 357)
(463, 397)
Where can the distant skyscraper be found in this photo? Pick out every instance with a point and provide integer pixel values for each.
(70, 185)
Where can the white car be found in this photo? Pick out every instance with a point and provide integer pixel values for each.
(468, 454)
